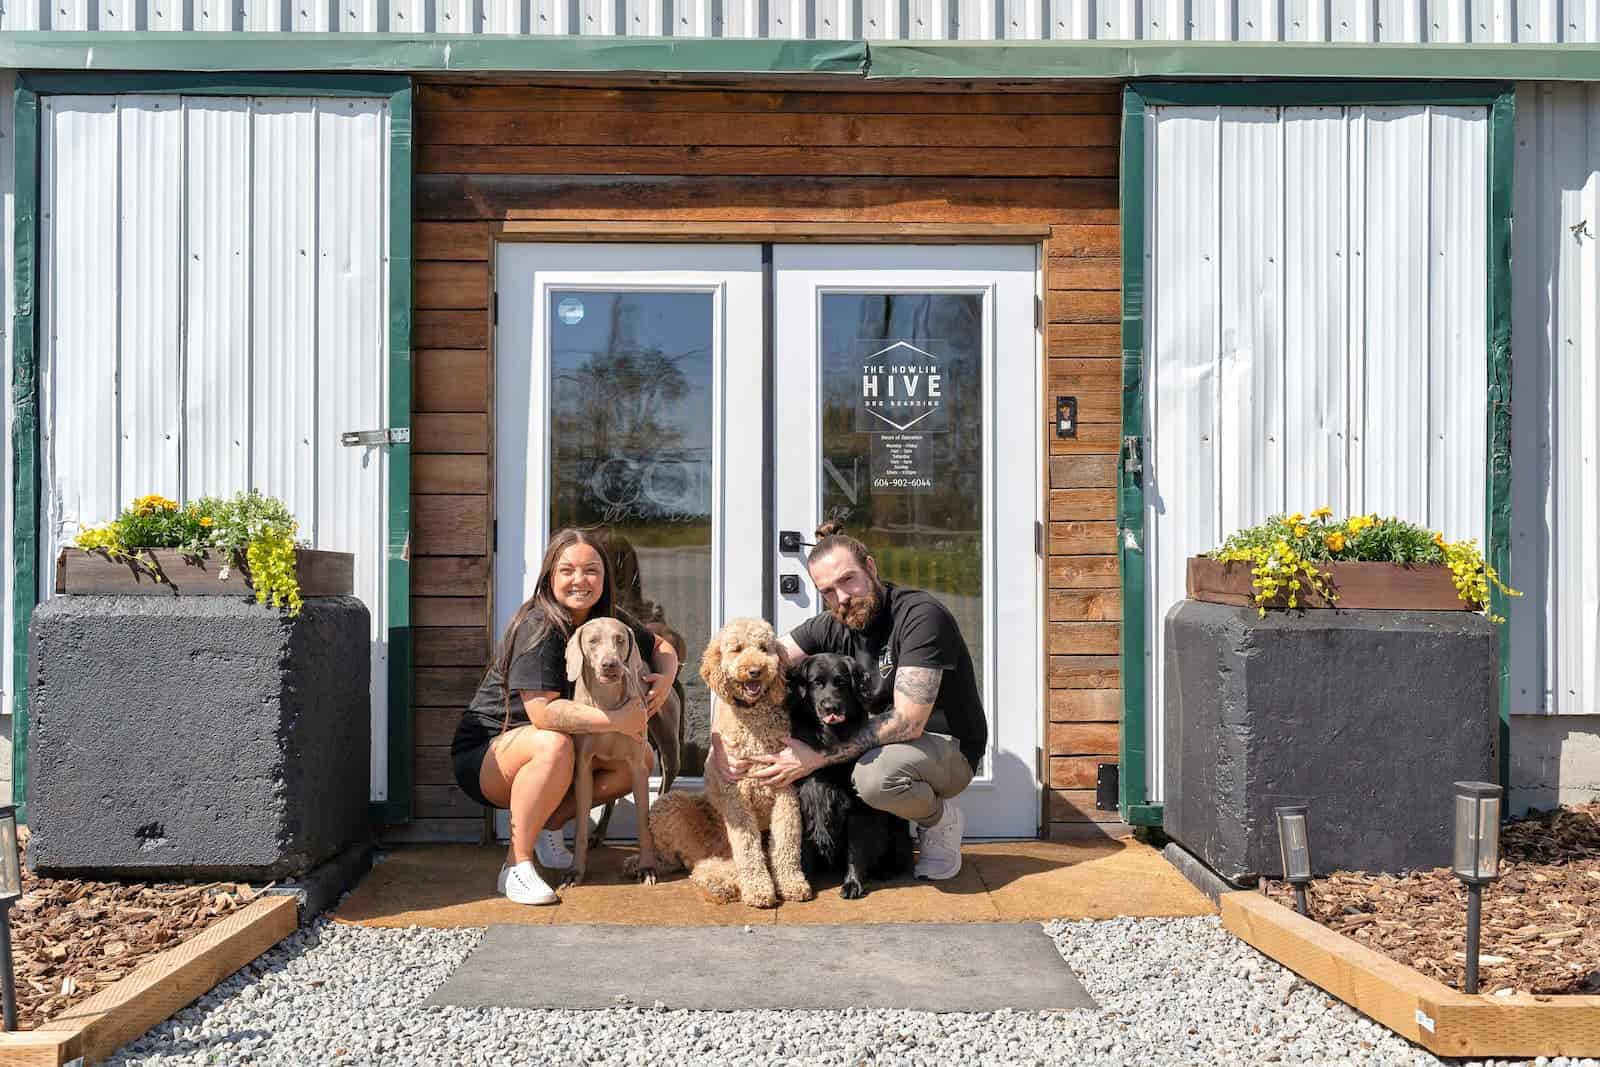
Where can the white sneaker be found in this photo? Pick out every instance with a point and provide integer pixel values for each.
(552, 852)
(524, 886)
(939, 845)
(500, 883)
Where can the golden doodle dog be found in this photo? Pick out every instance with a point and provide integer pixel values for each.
(717, 834)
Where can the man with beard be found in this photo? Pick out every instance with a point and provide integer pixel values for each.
(914, 757)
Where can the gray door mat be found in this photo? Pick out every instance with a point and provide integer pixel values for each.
(919, 966)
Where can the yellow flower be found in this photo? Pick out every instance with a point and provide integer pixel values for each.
(1335, 542)
(1438, 539)
(1295, 519)
(1357, 523)
(1299, 531)
(205, 520)
(1322, 513)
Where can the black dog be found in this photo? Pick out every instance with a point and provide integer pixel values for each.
(830, 697)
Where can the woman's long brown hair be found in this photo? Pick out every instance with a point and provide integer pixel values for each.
(543, 614)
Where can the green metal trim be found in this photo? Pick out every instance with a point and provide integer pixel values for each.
(401, 742)
(1144, 815)
(1108, 60)
(1315, 93)
(25, 425)
(243, 84)
(1134, 788)
(1278, 60)
(1502, 152)
(407, 53)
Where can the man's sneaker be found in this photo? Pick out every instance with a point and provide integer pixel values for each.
(524, 886)
(500, 883)
(940, 846)
(552, 852)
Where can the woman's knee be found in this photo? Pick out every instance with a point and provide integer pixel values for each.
(551, 749)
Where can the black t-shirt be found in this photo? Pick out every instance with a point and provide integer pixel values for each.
(541, 668)
(912, 629)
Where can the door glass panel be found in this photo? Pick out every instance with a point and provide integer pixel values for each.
(630, 453)
(902, 440)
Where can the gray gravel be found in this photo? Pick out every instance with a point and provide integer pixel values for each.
(1172, 991)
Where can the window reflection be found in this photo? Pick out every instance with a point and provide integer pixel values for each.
(902, 440)
(630, 448)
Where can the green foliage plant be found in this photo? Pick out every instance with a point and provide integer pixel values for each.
(252, 533)
(1286, 555)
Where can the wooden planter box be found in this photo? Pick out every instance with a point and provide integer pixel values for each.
(1418, 1008)
(1394, 586)
(82, 572)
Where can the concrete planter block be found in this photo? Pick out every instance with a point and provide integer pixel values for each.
(1368, 717)
(196, 737)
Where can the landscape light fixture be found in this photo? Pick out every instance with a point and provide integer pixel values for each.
(1477, 857)
(10, 893)
(1296, 852)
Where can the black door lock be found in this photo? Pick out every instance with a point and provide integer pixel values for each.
(789, 585)
(789, 541)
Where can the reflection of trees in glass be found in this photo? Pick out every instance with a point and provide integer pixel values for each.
(618, 400)
(630, 453)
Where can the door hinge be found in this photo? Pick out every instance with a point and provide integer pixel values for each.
(398, 435)
(1038, 538)
(1038, 310)
(494, 308)
(494, 535)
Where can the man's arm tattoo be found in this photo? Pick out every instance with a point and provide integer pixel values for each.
(884, 729)
(919, 684)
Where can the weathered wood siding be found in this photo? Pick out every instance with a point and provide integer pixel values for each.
(488, 154)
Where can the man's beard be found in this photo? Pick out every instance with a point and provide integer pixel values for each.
(862, 610)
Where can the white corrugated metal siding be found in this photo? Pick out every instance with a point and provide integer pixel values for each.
(1316, 327)
(1392, 21)
(213, 295)
(1555, 391)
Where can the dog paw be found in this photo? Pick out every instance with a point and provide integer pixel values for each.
(852, 889)
(574, 877)
(796, 890)
(645, 875)
(761, 897)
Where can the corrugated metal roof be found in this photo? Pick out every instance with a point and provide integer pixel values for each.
(1399, 21)
(1316, 328)
(1555, 398)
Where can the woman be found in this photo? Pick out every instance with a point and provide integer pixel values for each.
(513, 747)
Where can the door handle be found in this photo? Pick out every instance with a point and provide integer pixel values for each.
(789, 541)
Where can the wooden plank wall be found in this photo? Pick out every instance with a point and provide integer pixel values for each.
(493, 153)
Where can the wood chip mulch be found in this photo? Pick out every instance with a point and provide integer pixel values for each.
(1541, 919)
(72, 938)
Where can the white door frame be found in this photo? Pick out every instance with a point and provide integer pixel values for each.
(1007, 276)
(1003, 800)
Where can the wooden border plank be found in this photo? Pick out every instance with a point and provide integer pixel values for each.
(152, 994)
(1413, 1005)
(1372, 983)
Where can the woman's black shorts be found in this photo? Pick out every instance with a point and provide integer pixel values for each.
(468, 765)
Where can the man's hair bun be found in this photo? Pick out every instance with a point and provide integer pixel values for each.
(829, 528)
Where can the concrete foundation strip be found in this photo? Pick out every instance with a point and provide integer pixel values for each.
(1416, 1007)
(97, 1027)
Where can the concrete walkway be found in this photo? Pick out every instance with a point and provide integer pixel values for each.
(1006, 882)
(915, 966)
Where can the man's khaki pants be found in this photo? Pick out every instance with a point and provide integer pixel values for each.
(913, 779)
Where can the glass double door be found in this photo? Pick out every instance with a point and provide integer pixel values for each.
(635, 393)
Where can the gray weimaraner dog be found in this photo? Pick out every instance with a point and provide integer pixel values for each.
(604, 663)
